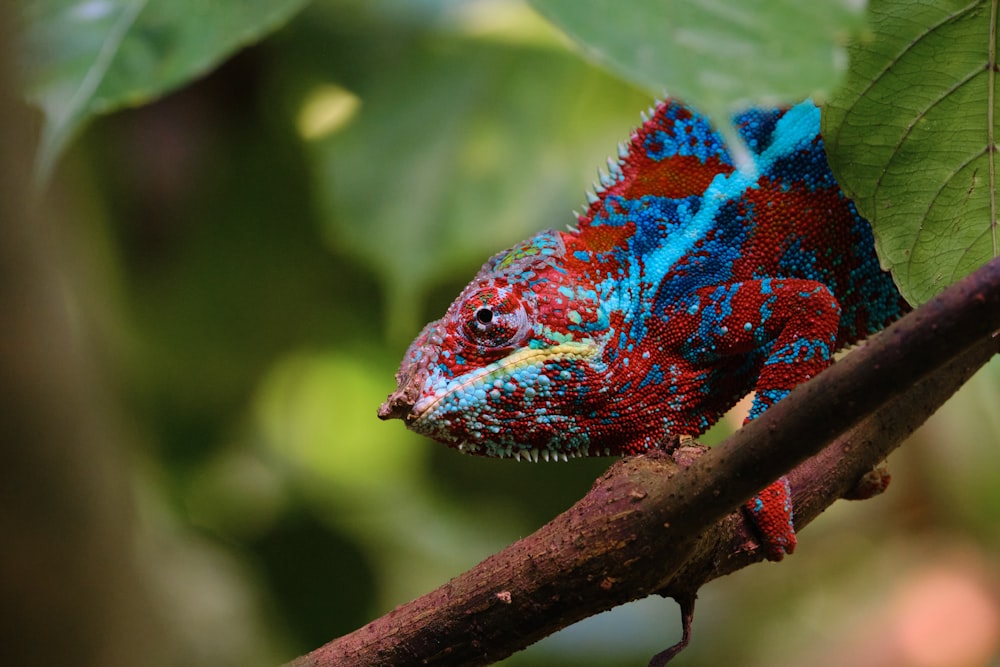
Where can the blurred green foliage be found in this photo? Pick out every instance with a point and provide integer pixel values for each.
(258, 247)
(717, 55)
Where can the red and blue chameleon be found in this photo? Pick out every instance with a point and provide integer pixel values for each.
(687, 284)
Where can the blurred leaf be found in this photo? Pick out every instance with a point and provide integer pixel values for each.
(909, 137)
(714, 55)
(86, 57)
(458, 151)
(317, 412)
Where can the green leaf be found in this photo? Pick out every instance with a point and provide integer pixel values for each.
(714, 55)
(85, 57)
(912, 139)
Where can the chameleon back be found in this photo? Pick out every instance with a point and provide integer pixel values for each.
(694, 220)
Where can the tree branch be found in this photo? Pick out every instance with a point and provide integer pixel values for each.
(648, 526)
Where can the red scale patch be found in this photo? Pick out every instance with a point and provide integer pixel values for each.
(674, 178)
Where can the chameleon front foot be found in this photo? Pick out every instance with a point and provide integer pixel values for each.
(770, 512)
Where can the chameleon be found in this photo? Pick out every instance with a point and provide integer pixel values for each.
(686, 284)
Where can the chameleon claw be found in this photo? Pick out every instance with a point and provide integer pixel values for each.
(770, 513)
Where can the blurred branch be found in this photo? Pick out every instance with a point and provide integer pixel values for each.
(69, 591)
(649, 526)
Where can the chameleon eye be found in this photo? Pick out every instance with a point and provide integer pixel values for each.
(484, 315)
(493, 318)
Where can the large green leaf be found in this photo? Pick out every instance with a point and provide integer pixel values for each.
(714, 55)
(911, 137)
(85, 57)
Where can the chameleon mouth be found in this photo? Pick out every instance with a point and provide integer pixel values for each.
(396, 406)
(422, 410)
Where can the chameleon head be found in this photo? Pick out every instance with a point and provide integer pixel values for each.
(513, 368)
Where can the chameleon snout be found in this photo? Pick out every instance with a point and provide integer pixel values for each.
(412, 374)
(397, 406)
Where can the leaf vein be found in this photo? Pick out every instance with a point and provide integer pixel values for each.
(916, 119)
(890, 62)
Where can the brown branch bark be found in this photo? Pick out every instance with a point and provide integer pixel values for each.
(648, 526)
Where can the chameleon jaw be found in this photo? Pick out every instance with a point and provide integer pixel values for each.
(423, 408)
(422, 399)
(397, 406)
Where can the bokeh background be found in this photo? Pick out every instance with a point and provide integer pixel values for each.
(244, 262)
